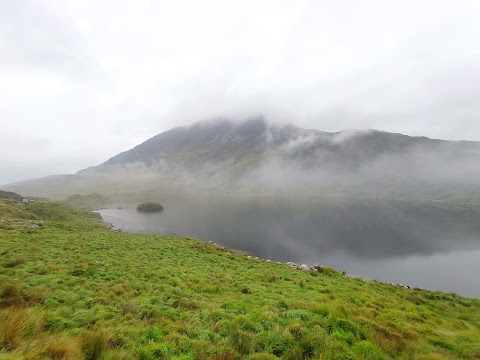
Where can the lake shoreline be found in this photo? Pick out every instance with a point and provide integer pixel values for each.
(390, 242)
(301, 267)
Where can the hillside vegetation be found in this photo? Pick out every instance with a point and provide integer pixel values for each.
(149, 207)
(8, 195)
(88, 202)
(71, 288)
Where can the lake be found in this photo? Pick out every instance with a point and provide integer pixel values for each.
(423, 244)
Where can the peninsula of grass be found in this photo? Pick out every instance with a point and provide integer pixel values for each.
(149, 207)
(71, 288)
(88, 202)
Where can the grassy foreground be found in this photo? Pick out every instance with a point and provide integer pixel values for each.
(70, 288)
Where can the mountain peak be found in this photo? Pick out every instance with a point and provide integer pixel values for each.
(221, 141)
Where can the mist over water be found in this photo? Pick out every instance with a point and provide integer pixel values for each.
(424, 244)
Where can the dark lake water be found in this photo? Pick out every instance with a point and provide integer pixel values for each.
(424, 244)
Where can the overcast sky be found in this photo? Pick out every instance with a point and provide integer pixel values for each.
(81, 81)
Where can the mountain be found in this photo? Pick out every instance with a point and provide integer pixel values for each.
(255, 157)
(228, 143)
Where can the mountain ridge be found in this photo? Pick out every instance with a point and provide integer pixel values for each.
(257, 130)
(256, 157)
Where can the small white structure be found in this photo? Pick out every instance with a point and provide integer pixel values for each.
(25, 200)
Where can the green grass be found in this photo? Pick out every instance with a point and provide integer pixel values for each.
(8, 195)
(88, 202)
(70, 288)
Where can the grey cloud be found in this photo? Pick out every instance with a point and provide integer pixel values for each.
(103, 76)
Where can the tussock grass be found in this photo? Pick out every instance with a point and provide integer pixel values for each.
(14, 262)
(14, 324)
(82, 291)
(62, 348)
(12, 295)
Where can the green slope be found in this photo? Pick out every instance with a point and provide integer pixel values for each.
(70, 288)
(8, 195)
(89, 202)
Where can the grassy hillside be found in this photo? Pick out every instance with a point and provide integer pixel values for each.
(8, 195)
(70, 288)
(89, 202)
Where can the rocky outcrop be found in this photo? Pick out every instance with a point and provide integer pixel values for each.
(314, 268)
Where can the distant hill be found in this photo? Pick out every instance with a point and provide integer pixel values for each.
(8, 195)
(255, 157)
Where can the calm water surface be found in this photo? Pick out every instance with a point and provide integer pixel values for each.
(430, 245)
